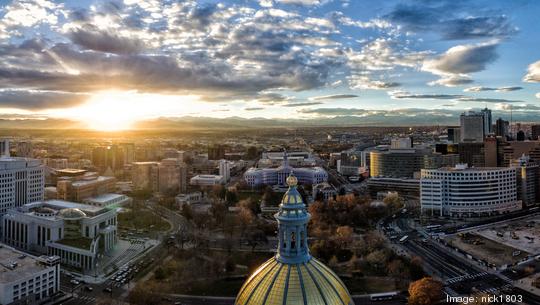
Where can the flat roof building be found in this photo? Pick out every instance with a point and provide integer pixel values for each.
(76, 232)
(278, 176)
(27, 279)
(466, 192)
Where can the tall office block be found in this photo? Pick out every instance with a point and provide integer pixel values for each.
(225, 170)
(21, 181)
(472, 127)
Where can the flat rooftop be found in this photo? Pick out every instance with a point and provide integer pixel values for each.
(71, 171)
(91, 180)
(7, 163)
(15, 265)
(104, 197)
(61, 204)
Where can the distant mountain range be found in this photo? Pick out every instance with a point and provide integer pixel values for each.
(189, 122)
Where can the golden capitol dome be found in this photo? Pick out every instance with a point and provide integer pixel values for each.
(293, 276)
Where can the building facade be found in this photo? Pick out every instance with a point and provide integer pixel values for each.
(528, 180)
(404, 163)
(278, 176)
(81, 187)
(27, 279)
(75, 232)
(472, 127)
(21, 181)
(467, 192)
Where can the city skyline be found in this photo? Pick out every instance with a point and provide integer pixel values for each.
(109, 65)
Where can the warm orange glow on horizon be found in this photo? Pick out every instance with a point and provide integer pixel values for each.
(121, 110)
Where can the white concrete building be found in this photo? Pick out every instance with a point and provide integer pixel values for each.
(75, 232)
(21, 181)
(465, 192)
(295, 158)
(190, 198)
(207, 180)
(26, 279)
(225, 170)
(278, 176)
(108, 200)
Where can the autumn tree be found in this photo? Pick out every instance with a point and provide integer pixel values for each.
(145, 294)
(426, 291)
(187, 211)
(245, 219)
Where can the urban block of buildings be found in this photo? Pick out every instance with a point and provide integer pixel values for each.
(278, 176)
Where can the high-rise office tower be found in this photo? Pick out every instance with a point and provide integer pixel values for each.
(225, 169)
(454, 134)
(472, 127)
(24, 149)
(520, 136)
(535, 132)
(22, 182)
(501, 128)
(527, 179)
(216, 152)
(488, 123)
(128, 150)
(4, 147)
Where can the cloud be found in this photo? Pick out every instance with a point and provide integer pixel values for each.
(498, 89)
(455, 97)
(303, 104)
(253, 108)
(301, 2)
(333, 97)
(407, 95)
(92, 38)
(452, 80)
(37, 100)
(538, 95)
(533, 73)
(334, 111)
(487, 100)
(455, 65)
(452, 20)
(370, 67)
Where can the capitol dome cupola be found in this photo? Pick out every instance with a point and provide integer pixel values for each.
(293, 276)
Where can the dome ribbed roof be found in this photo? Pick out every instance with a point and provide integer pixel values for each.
(310, 283)
(72, 213)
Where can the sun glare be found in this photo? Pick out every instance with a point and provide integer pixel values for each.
(117, 110)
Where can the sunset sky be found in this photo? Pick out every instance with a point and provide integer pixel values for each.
(111, 63)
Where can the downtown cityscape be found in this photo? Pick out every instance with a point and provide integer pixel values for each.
(292, 152)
